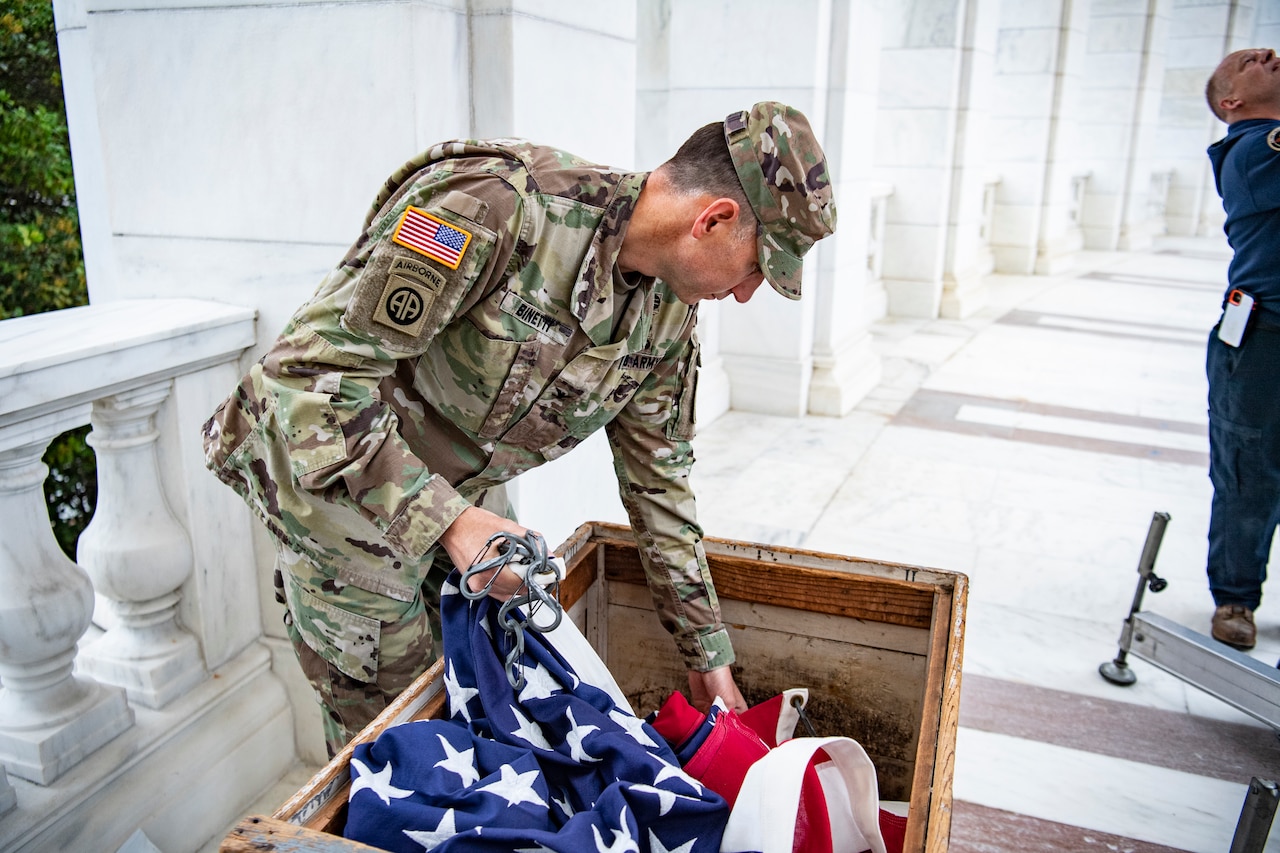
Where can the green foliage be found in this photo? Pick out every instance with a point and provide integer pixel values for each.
(41, 265)
(71, 489)
(29, 68)
(41, 262)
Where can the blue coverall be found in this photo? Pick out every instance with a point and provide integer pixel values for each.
(1244, 381)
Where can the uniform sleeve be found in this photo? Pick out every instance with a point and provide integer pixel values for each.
(1262, 171)
(652, 458)
(430, 252)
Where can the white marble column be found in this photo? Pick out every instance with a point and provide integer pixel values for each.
(935, 79)
(1060, 236)
(522, 86)
(1142, 211)
(1119, 114)
(1032, 134)
(698, 62)
(845, 367)
(84, 130)
(1201, 33)
(138, 556)
(50, 719)
(661, 125)
(967, 257)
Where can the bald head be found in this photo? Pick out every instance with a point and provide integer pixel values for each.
(1245, 85)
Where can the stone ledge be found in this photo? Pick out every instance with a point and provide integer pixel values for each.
(181, 774)
(59, 359)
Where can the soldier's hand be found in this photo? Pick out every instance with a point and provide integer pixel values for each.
(465, 539)
(704, 687)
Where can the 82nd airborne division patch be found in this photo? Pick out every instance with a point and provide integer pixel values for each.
(409, 293)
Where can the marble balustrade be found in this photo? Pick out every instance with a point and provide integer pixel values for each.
(122, 699)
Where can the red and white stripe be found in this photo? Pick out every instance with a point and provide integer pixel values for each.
(418, 232)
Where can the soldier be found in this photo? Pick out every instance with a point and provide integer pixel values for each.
(504, 301)
(1244, 351)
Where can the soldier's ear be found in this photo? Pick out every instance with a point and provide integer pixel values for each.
(721, 212)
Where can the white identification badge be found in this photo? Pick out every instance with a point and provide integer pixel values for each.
(1235, 317)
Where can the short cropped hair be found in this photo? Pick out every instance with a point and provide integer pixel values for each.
(703, 165)
(1214, 91)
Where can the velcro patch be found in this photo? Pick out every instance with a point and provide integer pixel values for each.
(420, 272)
(545, 323)
(432, 237)
(404, 304)
(640, 361)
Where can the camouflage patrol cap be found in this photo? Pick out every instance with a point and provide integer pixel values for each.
(784, 174)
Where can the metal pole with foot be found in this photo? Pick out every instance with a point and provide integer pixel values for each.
(1256, 816)
(1117, 671)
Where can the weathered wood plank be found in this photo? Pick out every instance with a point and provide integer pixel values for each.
(944, 759)
(874, 696)
(748, 616)
(782, 555)
(818, 590)
(261, 834)
(580, 574)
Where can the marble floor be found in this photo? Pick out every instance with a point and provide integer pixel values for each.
(1028, 446)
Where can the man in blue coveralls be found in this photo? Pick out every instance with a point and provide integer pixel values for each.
(1244, 366)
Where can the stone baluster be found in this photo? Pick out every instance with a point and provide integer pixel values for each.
(138, 556)
(49, 718)
(8, 799)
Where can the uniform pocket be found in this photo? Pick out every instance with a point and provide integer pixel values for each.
(346, 640)
(310, 429)
(579, 401)
(468, 372)
(1230, 448)
(683, 424)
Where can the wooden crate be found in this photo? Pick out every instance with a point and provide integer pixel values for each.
(878, 645)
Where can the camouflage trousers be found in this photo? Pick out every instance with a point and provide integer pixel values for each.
(359, 650)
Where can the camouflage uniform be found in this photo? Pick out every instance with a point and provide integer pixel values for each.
(477, 328)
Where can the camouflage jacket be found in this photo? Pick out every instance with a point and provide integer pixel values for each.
(477, 328)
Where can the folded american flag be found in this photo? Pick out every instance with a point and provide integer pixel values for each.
(556, 766)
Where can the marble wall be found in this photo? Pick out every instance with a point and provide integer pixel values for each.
(967, 255)
(700, 61)
(1198, 39)
(1037, 78)
(1118, 109)
(1266, 28)
(844, 366)
(240, 144)
(915, 143)
(1100, 126)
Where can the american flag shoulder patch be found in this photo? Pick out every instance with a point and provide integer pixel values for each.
(431, 236)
